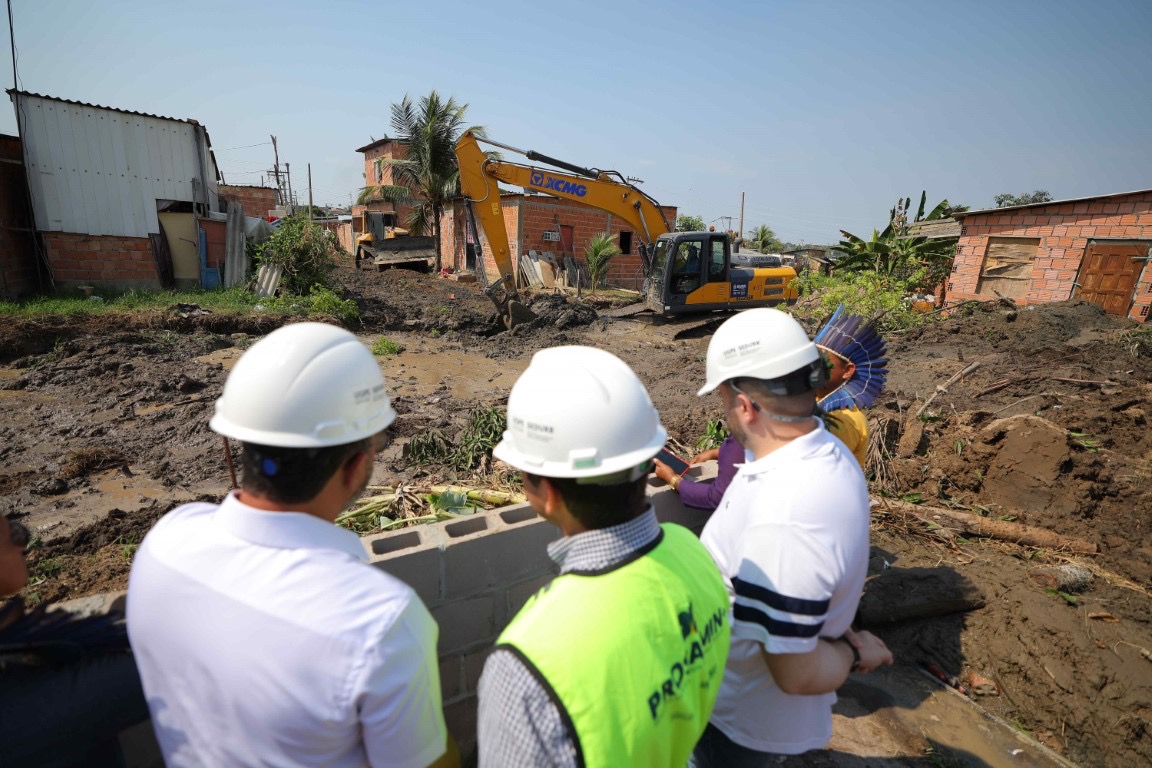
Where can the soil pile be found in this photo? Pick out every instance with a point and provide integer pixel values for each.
(105, 426)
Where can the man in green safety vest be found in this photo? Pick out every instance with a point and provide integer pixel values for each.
(618, 661)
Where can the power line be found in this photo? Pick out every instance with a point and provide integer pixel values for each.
(246, 146)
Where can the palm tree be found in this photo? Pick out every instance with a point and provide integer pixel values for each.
(598, 254)
(764, 239)
(427, 178)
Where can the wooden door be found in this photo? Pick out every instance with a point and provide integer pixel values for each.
(1109, 273)
(567, 240)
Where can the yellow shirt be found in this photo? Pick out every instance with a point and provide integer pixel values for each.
(851, 426)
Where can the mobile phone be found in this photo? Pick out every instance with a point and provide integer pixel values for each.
(677, 464)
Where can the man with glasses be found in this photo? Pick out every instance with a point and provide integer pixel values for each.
(791, 539)
(262, 636)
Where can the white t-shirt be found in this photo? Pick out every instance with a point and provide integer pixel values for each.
(262, 638)
(791, 539)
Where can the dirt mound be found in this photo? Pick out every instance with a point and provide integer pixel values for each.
(1046, 427)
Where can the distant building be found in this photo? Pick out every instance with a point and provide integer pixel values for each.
(257, 201)
(116, 194)
(1092, 248)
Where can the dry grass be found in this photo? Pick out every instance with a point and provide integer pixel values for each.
(84, 461)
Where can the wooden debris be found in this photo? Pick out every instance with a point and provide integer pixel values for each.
(944, 387)
(995, 529)
(1104, 383)
(996, 387)
(1103, 616)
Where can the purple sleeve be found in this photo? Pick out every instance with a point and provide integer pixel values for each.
(707, 494)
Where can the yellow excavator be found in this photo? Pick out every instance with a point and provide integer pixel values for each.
(685, 272)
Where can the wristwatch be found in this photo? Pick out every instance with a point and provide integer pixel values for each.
(675, 483)
(855, 653)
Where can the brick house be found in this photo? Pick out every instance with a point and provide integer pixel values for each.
(1093, 248)
(380, 174)
(257, 201)
(550, 224)
(116, 194)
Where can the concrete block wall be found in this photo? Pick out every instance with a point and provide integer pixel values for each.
(104, 260)
(257, 201)
(1064, 230)
(475, 573)
(17, 238)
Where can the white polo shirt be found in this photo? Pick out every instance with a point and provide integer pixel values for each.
(791, 539)
(263, 638)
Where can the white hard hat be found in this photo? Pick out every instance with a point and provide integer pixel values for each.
(308, 385)
(760, 344)
(580, 412)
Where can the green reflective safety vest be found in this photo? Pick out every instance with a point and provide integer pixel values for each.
(633, 656)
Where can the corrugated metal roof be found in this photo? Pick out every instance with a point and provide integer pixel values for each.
(13, 91)
(97, 170)
(1051, 202)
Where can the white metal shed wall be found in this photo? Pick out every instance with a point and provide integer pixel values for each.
(100, 172)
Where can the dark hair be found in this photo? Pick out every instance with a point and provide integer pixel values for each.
(600, 506)
(800, 404)
(294, 475)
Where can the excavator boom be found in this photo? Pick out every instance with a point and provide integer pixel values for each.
(684, 271)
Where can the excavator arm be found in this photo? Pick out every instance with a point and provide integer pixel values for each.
(480, 174)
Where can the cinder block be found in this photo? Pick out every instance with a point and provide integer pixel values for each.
(451, 676)
(419, 569)
(497, 557)
(467, 622)
(518, 594)
(460, 717)
(473, 667)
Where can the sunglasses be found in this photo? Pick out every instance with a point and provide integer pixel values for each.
(19, 534)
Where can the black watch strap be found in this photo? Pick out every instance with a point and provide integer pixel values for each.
(855, 654)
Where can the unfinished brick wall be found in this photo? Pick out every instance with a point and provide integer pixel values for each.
(474, 574)
(257, 201)
(1064, 230)
(528, 217)
(17, 239)
(107, 260)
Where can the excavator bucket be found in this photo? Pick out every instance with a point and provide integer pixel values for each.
(512, 312)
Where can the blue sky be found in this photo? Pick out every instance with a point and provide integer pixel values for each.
(822, 113)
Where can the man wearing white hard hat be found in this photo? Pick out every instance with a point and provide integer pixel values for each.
(791, 540)
(262, 635)
(618, 660)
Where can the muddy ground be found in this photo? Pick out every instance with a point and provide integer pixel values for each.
(105, 428)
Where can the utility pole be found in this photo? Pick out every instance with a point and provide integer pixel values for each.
(276, 172)
(741, 230)
(12, 37)
(288, 171)
(309, 191)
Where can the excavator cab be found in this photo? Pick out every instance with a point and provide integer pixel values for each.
(690, 272)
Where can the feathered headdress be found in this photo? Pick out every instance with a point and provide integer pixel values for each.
(857, 340)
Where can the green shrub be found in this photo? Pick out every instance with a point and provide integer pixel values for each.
(305, 251)
(319, 301)
(867, 294)
(385, 347)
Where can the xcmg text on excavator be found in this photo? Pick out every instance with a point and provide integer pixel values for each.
(684, 272)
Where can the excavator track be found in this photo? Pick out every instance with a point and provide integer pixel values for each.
(668, 328)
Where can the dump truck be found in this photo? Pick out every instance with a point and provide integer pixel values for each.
(384, 245)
